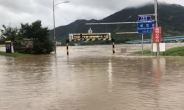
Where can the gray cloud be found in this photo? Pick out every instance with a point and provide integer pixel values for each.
(23, 11)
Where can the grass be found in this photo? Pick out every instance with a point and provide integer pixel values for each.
(13, 54)
(176, 51)
(145, 52)
(148, 53)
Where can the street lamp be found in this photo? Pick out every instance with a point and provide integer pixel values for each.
(54, 22)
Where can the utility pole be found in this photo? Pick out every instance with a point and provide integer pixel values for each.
(156, 20)
(54, 29)
(54, 22)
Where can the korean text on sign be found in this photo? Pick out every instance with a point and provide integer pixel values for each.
(157, 32)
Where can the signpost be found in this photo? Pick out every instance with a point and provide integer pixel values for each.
(145, 26)
(157, 37)
(157, 34)
(144, 18)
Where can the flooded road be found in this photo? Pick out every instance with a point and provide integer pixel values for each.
(91, 78)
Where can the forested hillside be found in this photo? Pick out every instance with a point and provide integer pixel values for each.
(171, 18)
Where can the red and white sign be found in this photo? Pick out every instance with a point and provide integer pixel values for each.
(157, 34)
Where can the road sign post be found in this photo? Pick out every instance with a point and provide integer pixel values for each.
(157, 32)
(157, 37)
(144, 18)
(145, 26)
(142, 44)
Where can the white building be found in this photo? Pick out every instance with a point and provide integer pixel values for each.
(58, 43)
(90, 31)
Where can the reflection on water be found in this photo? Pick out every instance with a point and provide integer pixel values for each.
(158, 70)
(110, 76)
(91, 81)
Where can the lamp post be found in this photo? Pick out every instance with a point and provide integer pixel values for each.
(54, 22)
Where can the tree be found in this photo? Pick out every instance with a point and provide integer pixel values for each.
(40, 35)
(9, 33)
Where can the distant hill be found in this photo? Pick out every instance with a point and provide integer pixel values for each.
(171, 18)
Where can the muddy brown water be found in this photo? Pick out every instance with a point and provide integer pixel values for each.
(91, 78)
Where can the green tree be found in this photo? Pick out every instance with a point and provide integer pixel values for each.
(9, 33)
(40, 35)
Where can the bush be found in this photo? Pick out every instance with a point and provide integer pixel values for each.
(145, 52)
(177, 51)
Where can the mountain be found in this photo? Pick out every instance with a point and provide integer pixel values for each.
(170, 16)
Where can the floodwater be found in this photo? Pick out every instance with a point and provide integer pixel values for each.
(91, 78)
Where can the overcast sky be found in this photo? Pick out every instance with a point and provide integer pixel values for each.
(14, 12)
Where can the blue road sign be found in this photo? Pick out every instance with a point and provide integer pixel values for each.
(145, 27)
(144, 18)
